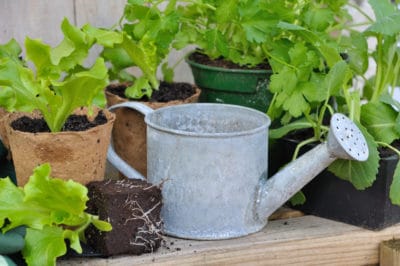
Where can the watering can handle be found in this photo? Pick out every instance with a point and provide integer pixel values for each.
(112, 156)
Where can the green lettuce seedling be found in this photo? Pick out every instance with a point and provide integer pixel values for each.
(53, 81)
(143, 40)
(52, 209)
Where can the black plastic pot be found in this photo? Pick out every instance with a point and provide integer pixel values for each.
(6, 166)
(329, 197)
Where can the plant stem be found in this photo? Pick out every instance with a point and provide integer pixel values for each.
(395, 80)
(384, 144)
(321, 117)
(271, 106)
(301, 144)
(277, 59)
(379, 69)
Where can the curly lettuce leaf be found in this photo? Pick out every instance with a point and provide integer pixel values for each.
(18, 89)
(106, 38)
(58, 84)
(73, 92)
(144, 41)
(144, 55)
(42, 247)
(11, 199)
(74, 48)
(55, 193)
(11, 49)
(52, 209)
(39, 54)
(123, 52)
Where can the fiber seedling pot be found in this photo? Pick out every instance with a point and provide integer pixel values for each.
(129, 132)
(245, 87)
(330, 197)
(77, 155)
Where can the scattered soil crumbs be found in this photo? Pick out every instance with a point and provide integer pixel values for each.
(73, 123)
(168, 246)
(165, 93)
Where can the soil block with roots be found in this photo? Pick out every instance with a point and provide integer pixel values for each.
(133, 209)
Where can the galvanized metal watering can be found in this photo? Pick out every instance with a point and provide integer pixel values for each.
(212, 160)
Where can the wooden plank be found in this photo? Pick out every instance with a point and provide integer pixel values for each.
(99, 13)
(285, 213)
(306, 240)
(390, 253)
(36, 19)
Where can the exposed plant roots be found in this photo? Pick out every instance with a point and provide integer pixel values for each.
(133, 208)
(150, 234)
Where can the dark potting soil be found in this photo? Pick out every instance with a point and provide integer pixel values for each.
(133, 209)
(73, 123)
(386, 152)
(220, 62)
(165, 93)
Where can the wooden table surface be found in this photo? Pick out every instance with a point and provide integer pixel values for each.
(306, 240)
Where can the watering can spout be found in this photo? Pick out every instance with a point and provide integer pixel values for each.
(345, 141)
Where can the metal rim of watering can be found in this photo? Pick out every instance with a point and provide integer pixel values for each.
(266, 121)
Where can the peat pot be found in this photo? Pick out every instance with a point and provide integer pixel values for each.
(245, 87)
(77, 155)
(330, 197)
(212, 163)
(129, 130)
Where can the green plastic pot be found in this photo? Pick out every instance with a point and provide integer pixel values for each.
(245, 87)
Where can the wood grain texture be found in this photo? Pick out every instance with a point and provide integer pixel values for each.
(99, 13)
(390, 253)
(36, 19)
(306, 240)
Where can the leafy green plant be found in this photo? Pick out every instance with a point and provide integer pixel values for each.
(52, 210)
(381, 114)
(250, 32)
(145, 34)
(298, 39)
(57, 83)
(371, 105)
